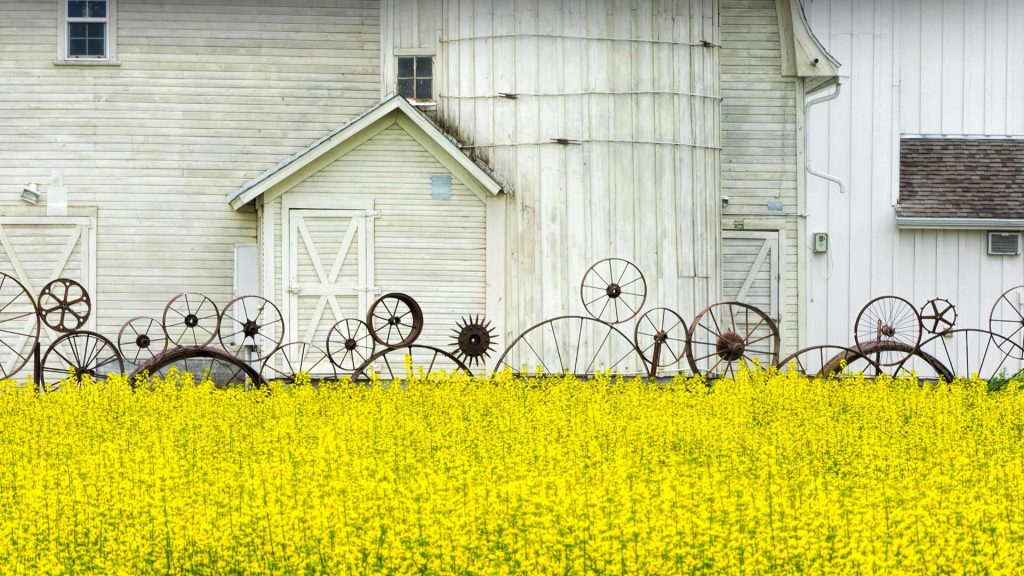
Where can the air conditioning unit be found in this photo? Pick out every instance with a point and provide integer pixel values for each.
(1004, 243)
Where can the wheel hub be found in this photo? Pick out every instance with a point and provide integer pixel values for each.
(394, 321)
(730, 346)
(250, 328)
(142, 341)
(474, 340)
(661, 337)
(191, 320)
(613, 290)
(350, 344)
(888, 331)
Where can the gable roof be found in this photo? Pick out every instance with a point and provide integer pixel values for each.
(961, 178)
(802, 53)
(396, 109)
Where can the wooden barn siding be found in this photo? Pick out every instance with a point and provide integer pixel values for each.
(207, 96)
(760, 140)
(641, 184)
(433, 250)
(915, 67)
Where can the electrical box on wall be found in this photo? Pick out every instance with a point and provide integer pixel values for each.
(820, 242)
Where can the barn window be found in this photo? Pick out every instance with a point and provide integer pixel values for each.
(86, 31)
(416, 77)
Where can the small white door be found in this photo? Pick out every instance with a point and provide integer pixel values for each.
(750, 269)
(328, 271)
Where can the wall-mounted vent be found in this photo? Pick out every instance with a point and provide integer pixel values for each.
(1004, 243)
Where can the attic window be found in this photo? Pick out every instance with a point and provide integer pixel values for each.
(416, 78)
(86, 30)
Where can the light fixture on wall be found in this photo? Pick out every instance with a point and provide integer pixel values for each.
(30, 193)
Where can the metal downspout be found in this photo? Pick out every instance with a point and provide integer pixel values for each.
(807, 138)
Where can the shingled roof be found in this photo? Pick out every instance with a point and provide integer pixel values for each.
(961, 178)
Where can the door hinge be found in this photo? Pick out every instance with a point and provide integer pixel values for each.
(371, 214)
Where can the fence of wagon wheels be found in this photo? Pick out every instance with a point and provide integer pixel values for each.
(243, 343)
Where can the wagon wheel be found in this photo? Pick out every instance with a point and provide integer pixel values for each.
(349, 344)
(613, 290)
(191, 320)
(829, 361)
(395, 320)
(204, 363)
(474, 340)
(64, 305)
(294, 358)
(251, 322)
(729, 333)
(967, 352)
(86, 353)
(426, 358)
(576, 345)
(140, 339)
(888, 320)
(660, 336)
(19, 326)
(938, 316)
(1007, 320)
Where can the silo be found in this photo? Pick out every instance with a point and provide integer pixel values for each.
(602, 116)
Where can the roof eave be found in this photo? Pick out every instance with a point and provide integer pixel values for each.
(957, 223)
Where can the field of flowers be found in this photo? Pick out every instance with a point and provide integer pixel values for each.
(770, 473)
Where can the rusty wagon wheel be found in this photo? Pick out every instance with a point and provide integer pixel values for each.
(395, 320)
(660, 336)
(828, 361)
(881, 349)
(1007, 320)
(251, 323)
(727, 334)
(888, 320)
(294, 358)
(474, 340)
(938, 316)
(966, 353)
(140, 339)
(19, 326)
(191, 320)
(350, 344)
(576, 345)
(204, 363)
(85, 353)
(64, 305)
(427, 359)
(613, 290)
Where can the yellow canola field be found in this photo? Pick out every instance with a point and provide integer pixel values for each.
(770, 473)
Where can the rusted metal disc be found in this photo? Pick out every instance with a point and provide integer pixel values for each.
(191, 320)
(19, 326)
(294, 358)
(474, 340)
(660, 336)
(395, 320)
(727, 334)
(251, 328)
(204, 363)
(64, 305)
(613, 290)
(938, 316)
(1007, 320)
(350, 344)
(85, 353)
(828, 361)
(888, 320)
(141, 339)
(426, 360)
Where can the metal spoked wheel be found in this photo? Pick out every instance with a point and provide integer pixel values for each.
(830, 361)
(294, 358)
(891, 327)
(964, 353)
(395, 320)
(728, 334)
(64, 305)
(251, 324)
(203, 363)
(426, 360)
(938, 316)
(660, 336)
(78, 354)
(350, 344)
(575, 345)
(1007, 320)
(19, 326)
(191, 320)
(141, 339)
(613, 290)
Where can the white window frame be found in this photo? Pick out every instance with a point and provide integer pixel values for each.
(110, 38)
